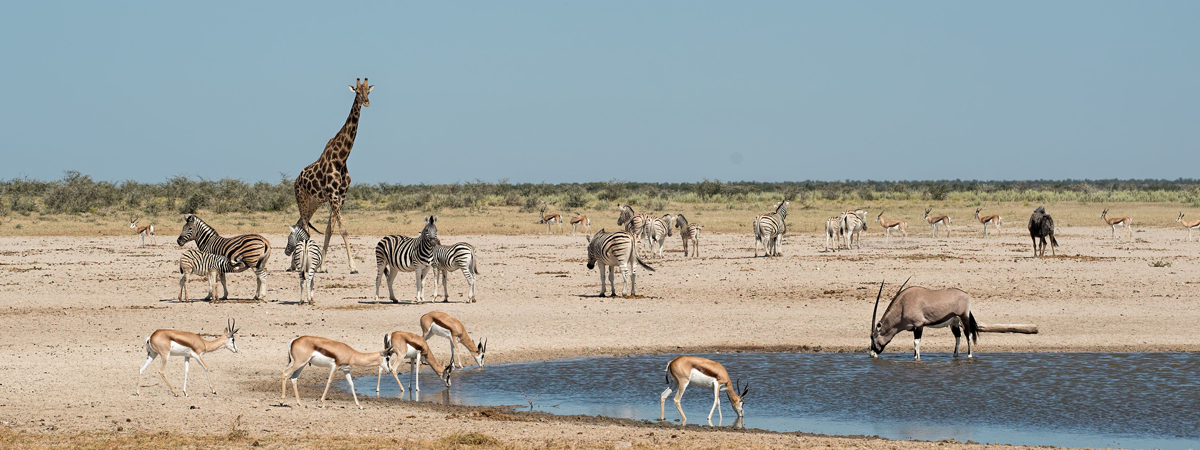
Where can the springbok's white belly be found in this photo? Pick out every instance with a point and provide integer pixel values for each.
(178, 349)
(411, 353)
(320, 360)
(696, 378)
(438, 330)
(953, 321)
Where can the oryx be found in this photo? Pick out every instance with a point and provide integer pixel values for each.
(915, 308)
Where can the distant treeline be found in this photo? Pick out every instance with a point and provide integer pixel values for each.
(76, 193)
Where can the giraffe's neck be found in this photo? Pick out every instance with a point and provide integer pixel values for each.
(338, 148)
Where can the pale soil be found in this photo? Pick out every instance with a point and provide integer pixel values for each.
(76, 310)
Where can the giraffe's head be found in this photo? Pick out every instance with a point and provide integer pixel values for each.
(362, 90)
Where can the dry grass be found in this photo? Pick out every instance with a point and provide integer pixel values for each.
(505, 220)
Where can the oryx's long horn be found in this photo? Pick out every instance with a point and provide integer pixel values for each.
(901, 288)
(875, 311)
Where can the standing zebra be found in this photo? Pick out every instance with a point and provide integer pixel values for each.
(306, 259)
(208, 265)
(658, 229)
(833, 232)
(251, 250)
(613, 250)
(769, 229)
(852, 224)
(635, 224)
(689, 232)
(460, 256)
(402, 253)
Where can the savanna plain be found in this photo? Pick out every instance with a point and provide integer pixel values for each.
(79, 295)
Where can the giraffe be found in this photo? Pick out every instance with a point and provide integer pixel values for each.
(327, 179)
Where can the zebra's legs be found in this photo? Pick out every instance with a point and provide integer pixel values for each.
(391, 276)
(603, 290)
(420, 274)
(466, 270)
(224, 287)
(625, 276)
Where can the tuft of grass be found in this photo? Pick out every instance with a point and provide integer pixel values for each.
(1160, 264)
(471, 438)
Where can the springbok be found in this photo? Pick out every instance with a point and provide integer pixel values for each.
(1189, 224)
(993, 220)
(437, 323)
(165, 343)
(413, 348)
(550, 219)
(321, 352)
(915, 308)
(937, 222)
(889, 225)
(1115, 222)
(143, 230)
(580, 219)
(702, 372)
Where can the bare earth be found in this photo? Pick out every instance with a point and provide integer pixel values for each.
(76, 310)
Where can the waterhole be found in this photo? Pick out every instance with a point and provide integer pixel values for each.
(1138, 400)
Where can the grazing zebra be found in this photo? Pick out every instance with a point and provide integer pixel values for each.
(306, 259)
(658, 229)
(769, 229)
(578, 220)
(689, 232)
(613, 250)
(251, 250)
(852, 224)
(635, 224)
(460, 256)
(833, 232)
(398, 253)
(208, 265)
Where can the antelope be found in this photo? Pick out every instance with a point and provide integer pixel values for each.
(322, 352)
(412, 348)
(993, 220)
(438, 323)
(1041, 226)
(889, 225)
(937, 222)
(142, 230)
(702, 372)
(1117, 222)
(549, 219)
(165, 343)
(580, 219)
(915, 308)
(1189, 224)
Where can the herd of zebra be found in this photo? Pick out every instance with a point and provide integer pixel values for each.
(216, 255)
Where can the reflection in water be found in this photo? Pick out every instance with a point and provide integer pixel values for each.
(1066, 399)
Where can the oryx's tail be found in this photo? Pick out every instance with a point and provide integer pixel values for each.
(972, 330)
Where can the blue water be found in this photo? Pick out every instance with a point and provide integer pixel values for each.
(1138, 400)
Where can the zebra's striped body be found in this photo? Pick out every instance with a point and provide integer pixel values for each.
(306, 259)
(852, 224)
(769, 230)
(251, 250)
(396, 253)
(833, 232)
(635, 224)
(460, 256)
(690, 232)
(614, 250)
(208, 265)
(658, 229)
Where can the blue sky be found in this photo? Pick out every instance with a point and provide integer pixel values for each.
(592, 91)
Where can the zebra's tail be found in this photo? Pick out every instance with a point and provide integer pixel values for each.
(472, 268)
(643, 264)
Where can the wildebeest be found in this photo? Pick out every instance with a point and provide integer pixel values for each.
(915, 308)
(1041, 225)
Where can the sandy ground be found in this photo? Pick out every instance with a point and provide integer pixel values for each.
(75, 312)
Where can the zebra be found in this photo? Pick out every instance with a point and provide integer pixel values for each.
(635, 224)
(658, 229)
(208, 265)
(613, 250)
(769, 229)
(306, 259)
(689, 232)
(460, 256)
(404, 254)
(833, 232)
(852, 224)
(251, 250)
